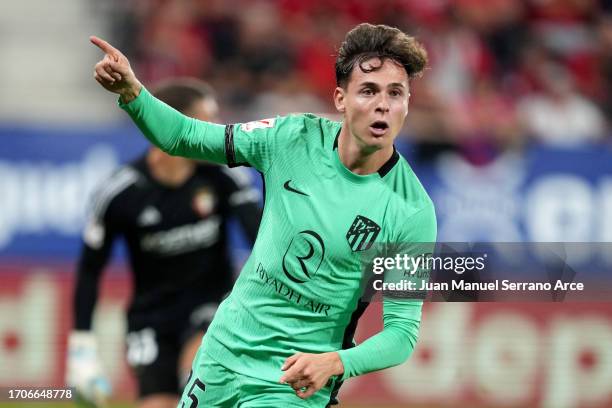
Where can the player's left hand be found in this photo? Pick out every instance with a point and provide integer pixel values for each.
(308, 373)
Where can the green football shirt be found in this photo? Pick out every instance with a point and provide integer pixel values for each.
(299, 291)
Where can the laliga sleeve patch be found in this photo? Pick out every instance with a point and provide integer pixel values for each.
(257, 124)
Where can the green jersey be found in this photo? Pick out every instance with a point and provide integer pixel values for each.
(299, 290)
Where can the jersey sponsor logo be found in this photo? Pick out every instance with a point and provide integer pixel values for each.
(204, 202)
(149, 216)
(362, 233)
(185, 238)
(303, 256)
(257, 124)
(293, 190)
(290, 294)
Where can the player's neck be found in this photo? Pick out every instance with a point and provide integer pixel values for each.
(359, 159)
(170, 174)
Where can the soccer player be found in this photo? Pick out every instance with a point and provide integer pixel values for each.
(172, 213)
(333, 189)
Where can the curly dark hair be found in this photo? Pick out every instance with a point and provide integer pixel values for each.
(367, 41)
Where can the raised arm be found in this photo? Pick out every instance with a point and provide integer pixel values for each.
(254, 144)
(167, 128)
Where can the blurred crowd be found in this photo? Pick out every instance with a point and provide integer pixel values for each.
(502, 73)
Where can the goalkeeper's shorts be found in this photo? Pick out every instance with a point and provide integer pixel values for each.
(212, 385)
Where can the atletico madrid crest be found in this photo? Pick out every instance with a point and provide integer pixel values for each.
(362, 234)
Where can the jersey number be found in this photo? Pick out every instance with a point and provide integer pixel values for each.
(191, 392)
(142, 347)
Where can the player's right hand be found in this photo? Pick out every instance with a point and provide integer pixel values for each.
(84, 372)
(114, 73)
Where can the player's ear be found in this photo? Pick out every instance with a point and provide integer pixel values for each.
(339, 99)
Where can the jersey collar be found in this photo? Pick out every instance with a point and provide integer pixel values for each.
(385, 168)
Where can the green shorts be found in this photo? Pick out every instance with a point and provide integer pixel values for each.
(211, 385)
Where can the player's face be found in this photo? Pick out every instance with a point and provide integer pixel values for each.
(375, 104)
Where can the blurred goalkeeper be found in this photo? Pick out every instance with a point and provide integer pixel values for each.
(283, 338)
(172, 213)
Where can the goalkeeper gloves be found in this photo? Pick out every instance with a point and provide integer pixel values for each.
(83, 370)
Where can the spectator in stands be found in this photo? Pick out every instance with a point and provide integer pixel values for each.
(559, 115)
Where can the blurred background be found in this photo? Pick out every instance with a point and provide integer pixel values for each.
(510, 131)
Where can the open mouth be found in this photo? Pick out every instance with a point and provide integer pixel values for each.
(379, 127)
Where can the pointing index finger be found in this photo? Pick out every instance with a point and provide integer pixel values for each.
(104, 46)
